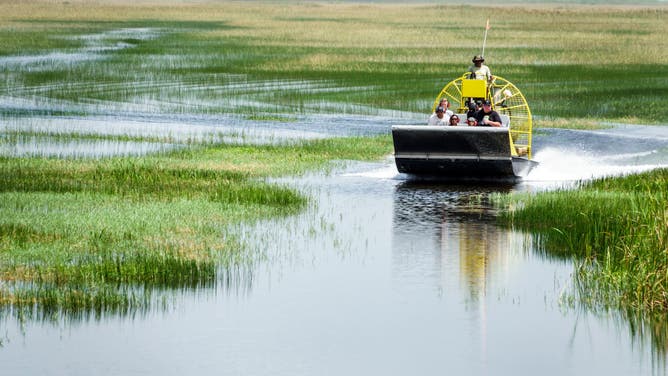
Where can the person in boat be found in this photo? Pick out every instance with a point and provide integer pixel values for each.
(454, 120)
(480, 71)
(487, 117)
(472, 122)
(446, 104)
(438, 117)
(473, 107)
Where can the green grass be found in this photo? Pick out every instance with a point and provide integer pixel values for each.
(616, 228)
(92, 237)
(260, 59)
(616, 231)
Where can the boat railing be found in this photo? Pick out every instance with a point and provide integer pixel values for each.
(506, 99)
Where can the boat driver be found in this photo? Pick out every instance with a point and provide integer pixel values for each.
(480, 71)
(487, 117)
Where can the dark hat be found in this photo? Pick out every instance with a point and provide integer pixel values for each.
(472, 106)
(440, 109)
(486, 102)
(478, 58)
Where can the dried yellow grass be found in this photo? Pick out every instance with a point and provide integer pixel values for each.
(521, 34)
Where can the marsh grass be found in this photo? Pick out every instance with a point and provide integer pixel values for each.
(574, 123)
(616, 228)
(16, 136)
(112, 235)
(265, 58)
(271, 118)
(616, 231)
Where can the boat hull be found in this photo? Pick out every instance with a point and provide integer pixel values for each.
(457, 153)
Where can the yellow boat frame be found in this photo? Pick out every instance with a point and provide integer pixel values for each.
(506, 99)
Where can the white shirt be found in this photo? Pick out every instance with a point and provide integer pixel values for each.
(482, 73)
(434, 120)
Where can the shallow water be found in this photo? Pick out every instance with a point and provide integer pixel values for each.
(382, 276)
(78, 148)
(201, 127)
(94, 48)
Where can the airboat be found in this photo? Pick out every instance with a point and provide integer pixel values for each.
(470, 152)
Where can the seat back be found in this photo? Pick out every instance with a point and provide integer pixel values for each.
(474, 88)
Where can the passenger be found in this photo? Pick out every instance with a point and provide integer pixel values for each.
(438, 117)
(454, 120)
(472, 122)
(487, 117)
(480, 71)
(472, 109)
(445, 104)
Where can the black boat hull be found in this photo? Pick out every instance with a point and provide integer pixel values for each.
(457, 153)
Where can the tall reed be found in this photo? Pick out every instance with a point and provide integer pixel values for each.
(616, 228)
(85, 238)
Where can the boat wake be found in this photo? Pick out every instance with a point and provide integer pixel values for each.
(557, 165)
(567, 156)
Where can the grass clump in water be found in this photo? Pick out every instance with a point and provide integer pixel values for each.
(618, 230)
(113, 235)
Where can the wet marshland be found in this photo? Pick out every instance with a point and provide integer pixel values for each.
(381, 274)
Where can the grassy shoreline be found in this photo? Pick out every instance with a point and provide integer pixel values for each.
(616, 229)
(107, 235)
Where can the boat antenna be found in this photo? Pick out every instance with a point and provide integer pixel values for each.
(484, 41)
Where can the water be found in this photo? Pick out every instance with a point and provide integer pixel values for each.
(102, 135)
(567, 156)
(78, 148)
(382, 276)
(95, 46)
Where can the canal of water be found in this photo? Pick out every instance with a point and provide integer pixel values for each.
(380, 276)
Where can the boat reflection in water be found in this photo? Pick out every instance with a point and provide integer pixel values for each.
(451, 234)
(446, 236)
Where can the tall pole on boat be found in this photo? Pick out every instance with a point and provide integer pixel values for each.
(484, 41)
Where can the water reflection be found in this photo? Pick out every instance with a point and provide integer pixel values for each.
(72, 304)
(448, 236)
(459, 226)
(380, 277)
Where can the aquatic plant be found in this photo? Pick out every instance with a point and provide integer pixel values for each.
(618, 230)
(115, 235)
(263, 62)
